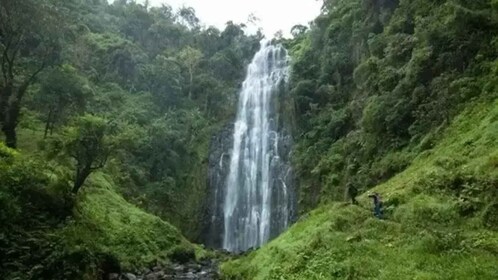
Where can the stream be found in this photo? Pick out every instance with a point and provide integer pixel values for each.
(203, 270)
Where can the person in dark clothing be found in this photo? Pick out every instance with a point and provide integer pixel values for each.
(377, 201)
(352, 193)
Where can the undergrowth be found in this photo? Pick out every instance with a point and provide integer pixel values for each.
(440, 219)
(47, 233)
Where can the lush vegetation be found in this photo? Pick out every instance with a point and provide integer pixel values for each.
(375, 82)
(47, 235)
(107, 111)
(440, 219)
(103, 101)
(399, 98)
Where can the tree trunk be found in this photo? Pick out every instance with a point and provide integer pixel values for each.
(12, 109)
(206, 105)
(81, 175)
(52, 126)
(9, 131)
(5, 94)
(191, 84)
(48, 124)
(11, 120)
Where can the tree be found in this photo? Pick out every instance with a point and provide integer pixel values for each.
(279, 35)
(298, 30)
(88, 144)
(231, 33)
(63, 93)
(136, 22)
(163, 78)
(26, 48)
(188, 17)
(209, 88)
(190, 58)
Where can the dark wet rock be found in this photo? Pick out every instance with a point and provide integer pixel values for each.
(219, 166)
(178, 267)
(204, 270)
(128, 276)
(194, 267)
(182, 255)
(155, 275)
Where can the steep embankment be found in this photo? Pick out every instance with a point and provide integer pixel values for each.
(47, 235)
(105, 222)
(375, 81)
(441, 219)
(398, 97)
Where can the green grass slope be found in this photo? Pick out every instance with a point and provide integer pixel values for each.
(441, 219)
(47, 235)
(105, 222)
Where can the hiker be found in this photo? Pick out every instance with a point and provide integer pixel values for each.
(352, 193)
(377, 201)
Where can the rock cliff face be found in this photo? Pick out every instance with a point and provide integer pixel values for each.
(250, 179)
(219, 167)
(219, 161)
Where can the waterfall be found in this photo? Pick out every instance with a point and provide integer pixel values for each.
(257, 201)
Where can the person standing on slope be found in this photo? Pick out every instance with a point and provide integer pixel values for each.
(377, 201)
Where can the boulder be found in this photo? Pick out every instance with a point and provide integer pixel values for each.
(129, 276)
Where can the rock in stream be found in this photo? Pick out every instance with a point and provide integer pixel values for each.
(204, 270)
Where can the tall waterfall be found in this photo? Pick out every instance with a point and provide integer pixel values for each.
(257, 201)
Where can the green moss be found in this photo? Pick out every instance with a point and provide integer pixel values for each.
(7, 155)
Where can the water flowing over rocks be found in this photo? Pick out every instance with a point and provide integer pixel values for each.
(251, 181)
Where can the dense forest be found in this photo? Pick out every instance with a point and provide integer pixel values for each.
(376, 81)
(94, 95)
(107, 112)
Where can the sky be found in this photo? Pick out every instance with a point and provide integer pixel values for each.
(274, 15)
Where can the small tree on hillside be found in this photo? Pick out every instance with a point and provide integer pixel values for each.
(88, 144)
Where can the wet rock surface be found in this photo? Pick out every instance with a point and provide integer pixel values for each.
(219, 167)
(204, 270)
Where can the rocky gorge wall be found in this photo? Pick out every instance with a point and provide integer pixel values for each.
(282, 179)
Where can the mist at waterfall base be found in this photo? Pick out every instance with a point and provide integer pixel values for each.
(250, 176)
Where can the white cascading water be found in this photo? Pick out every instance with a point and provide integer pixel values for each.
(249, 216)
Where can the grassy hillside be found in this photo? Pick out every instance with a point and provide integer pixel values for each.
(48, 235)
(107, 223)
(441, 219)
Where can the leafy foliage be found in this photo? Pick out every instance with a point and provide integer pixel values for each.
(149, 72)
(437, 225)
(88, 146)
(372, 79)
(27, 47)
(121, 89)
